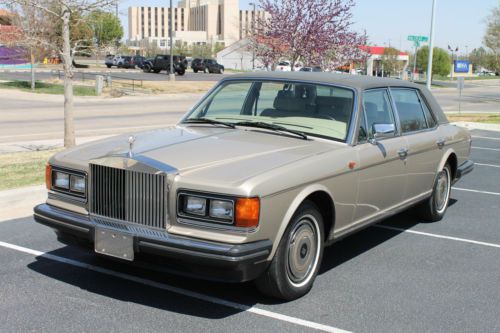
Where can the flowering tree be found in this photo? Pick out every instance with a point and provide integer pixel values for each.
(315, 31)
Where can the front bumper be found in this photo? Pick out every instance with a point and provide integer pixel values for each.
(185, 256)
(464, 169)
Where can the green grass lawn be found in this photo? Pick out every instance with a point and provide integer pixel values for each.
(47, 88)
(24, 168)
(477, 118)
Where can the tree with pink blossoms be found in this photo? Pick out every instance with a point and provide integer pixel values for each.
(316, 32)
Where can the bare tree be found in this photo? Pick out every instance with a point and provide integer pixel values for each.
(62, 12)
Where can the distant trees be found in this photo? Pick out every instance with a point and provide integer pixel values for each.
(491, 38)
(106, 28)
(307, 30)
(390, 60)
(441, 62)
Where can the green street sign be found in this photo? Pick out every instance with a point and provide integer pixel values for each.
(413, 38)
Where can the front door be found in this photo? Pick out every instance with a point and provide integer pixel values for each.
(382, 163)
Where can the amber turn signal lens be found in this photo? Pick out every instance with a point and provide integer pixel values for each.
(48, 177)
(247, 212)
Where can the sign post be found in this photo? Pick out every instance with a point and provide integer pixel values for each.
(460, 87)
(416, 43)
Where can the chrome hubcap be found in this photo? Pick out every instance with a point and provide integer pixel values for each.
(302, 251)
(442, 190)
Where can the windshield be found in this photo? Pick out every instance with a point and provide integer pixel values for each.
(312, 109)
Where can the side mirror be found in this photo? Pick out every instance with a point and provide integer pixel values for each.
(381, 131)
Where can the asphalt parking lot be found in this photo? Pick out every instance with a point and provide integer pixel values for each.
(402, 275)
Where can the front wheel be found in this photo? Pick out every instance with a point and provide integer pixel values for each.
(296, 262)
(434, 208)
(146, 69)
(221, 71)
(205, 70)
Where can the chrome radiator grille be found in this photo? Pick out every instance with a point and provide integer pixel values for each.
(128, 195)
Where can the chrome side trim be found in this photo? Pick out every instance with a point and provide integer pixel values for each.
(363, 223)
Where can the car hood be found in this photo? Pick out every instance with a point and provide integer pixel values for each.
(203, 152)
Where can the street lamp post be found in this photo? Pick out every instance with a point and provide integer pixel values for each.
(253, 34)
(171, 33)
(452, 58)
(431, 46)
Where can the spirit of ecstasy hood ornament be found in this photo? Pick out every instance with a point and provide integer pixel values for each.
(131, 141)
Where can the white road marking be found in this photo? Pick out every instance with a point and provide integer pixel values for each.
(484, 137)
(487, 165)
(483, 148)
(475, 191)
(464, 240)
(180, 291)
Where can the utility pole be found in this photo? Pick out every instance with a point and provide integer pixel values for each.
(431, 46)
(452, 59)
(253, 35)
(171, 35)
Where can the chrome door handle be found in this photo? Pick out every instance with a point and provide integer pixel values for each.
(440, 143)
(403, 152)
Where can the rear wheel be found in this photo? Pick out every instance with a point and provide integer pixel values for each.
(205, 70)
(434, 208)
(156, 71)
(195, 70)
(296, 263)
(221, 71)
(109, 66)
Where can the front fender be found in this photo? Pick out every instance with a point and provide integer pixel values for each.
(294, 205)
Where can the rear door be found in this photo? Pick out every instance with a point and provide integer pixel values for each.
(382, 169)
(420, 129)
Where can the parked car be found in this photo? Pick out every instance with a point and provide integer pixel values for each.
(206, 66)
(109, 61)
(311, 69)
(139, 61)
(286, 66)
(125, 62)
(162, 63)
(263, 173)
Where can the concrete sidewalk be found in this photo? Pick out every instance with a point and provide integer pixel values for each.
(38, 145)
(19, 202)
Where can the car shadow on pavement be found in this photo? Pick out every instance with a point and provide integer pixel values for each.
(244, 293)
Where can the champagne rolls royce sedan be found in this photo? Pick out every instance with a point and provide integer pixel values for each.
(259, 176)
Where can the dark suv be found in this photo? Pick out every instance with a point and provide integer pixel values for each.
(162, 63)
(206, 66)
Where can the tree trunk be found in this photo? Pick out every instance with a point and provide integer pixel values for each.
(69, 128)
(32, 60)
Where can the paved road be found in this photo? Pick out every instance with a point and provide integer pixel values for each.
(415, 277)
(38, 117)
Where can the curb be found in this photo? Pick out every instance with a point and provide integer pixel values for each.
(478, 126)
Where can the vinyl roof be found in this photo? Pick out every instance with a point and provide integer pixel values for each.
(354, 81)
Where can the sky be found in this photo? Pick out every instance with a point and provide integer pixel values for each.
(459, 23)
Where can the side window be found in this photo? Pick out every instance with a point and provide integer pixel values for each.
(363, 132)
(431, 122)
(377, 108)
(267, 95)
(410, 111)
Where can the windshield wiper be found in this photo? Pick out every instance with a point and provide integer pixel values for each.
(273, 127)
(207, 121)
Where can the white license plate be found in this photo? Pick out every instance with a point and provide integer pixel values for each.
(115, 244)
